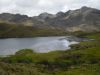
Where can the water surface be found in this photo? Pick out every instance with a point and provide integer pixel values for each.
(38, 44)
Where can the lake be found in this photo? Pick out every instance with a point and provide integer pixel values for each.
(37, 44)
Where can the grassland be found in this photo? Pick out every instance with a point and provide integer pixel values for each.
(19, 31)
(82, 59)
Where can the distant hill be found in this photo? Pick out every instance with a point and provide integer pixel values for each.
(85, 19)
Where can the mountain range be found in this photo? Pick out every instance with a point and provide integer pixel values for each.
(85, 19)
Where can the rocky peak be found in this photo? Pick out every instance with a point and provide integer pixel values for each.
(60, 13)
(5, 16)
(85, 8)
(46, 15)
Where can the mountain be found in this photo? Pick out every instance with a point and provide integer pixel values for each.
(85, 19)
(46, 15)
(78, 20)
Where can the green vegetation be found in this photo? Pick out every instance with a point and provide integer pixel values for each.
(82, 59)
(19, 31)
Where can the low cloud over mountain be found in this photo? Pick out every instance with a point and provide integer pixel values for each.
(35, 7)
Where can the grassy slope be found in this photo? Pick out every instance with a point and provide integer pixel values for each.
(83, 59)
(19, 31)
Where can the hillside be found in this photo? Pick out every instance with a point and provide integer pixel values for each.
(85, 19)
(20, 31)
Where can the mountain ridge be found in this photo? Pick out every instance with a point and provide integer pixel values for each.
(85, 19)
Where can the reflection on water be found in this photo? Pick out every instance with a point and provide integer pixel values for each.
(51, 45)
(38, 44)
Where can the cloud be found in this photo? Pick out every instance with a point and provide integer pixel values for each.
(35, 7)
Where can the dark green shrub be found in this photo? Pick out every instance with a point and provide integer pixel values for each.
(24, 52)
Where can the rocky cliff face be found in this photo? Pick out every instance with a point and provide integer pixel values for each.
(84, 19)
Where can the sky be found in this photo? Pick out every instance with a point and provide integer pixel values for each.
(35, 7)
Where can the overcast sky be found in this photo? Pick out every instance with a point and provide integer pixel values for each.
(35, 7)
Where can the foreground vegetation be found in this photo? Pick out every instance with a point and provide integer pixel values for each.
(82, 59)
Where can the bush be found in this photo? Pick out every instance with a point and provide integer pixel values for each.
(24, 52)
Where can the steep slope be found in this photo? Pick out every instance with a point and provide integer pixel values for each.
(78, 20)
(85, 19)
